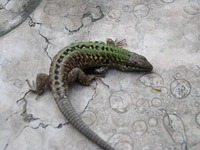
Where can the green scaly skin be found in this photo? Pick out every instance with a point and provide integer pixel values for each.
(68, 65)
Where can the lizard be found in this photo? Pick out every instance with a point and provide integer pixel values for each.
(68, 65)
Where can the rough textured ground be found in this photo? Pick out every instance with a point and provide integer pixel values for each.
(132, 111)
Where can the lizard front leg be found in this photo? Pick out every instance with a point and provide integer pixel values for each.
(117, 43)
(78, 74)
(101, 70)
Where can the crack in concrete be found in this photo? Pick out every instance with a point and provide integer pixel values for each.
(27, 117)
(33, 23)
(91, 99)
(6, 146)
(3, 6)
(75, 30)
(47, 46)
(91, 16)
(104, 83)
(43, 125)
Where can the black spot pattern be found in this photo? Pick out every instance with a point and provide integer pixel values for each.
(56, 71)
(56, 77)
(82, 46)
(61, 57)
(57, 66)
(92, 46)
(66, 52)
(97, 47)
(59, 60)
(57, 83)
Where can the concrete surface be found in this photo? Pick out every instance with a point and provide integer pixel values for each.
(132, 111)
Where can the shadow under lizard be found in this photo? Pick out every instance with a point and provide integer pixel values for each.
(68, 65)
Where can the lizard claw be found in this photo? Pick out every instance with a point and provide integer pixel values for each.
(31, 86)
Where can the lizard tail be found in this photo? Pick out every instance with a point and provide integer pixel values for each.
(71, 115)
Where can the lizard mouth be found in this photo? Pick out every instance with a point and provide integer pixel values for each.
(147, 67)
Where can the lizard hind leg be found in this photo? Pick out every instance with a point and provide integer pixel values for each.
(42, 83)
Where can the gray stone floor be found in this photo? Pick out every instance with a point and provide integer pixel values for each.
(132, 111)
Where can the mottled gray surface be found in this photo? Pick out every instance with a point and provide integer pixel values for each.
(132, 111)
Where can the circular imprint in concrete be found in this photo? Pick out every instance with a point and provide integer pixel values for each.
(52, 9)
(142, 105)
(175, 127)
(120, 101)
(152, 80)
(178, 137)
(191, 32)
(180, 88)
(127, 8)
(121, 141)
(168, 1)
(164, 90)
(88, 117)
(153, 122)
(82, 144)
(196, 92)
(130, 30)
(114, 14)
(139, 127)
(156, 102)
(197, 118)
(146, 25)
(141, 11)
(192, 9)
(123, 146)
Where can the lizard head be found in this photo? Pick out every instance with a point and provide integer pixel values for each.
(136, 62)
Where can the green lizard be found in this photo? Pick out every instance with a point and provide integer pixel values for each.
(69, 64)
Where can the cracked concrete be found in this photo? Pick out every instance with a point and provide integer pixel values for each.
(136, 111)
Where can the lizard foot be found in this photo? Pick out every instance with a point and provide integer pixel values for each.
(117, 43)
(42, 83)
